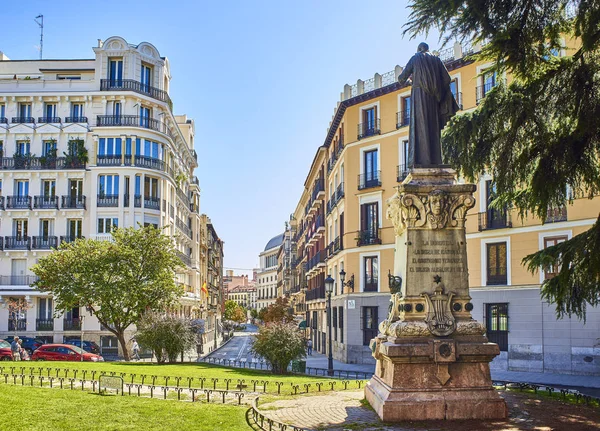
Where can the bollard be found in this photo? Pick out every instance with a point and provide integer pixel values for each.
(202, 380)
(279, 384)
(132, 377)
(239, 396)
(264, 383)
(227, 381)
(214, 380)
(307, 386)
(208, 392)
(295, 388)
(190, 379)
(319, 386)
(359, 383)
(193, 391)
(254, 382)
(177, 380)
(51, 380)
(179, 393)
(331, 385)
(143, 376)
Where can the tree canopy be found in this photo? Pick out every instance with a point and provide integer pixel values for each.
(234, 312)
(538, 135)
(278, 312)
(118, 281)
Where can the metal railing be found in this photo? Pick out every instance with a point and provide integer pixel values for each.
(187, 260)
(71, 325)
(39, 163)
(556, 214)
(494, 219)
(131, 121)
(402, 172)
(152, 203)
(137, 201)
(17, 280)
(316, 293)
(3, 120)
(76, 119)
(17, 120)
(107, 200)
(368, 237)
(73, 202)
(45, 202)
(402, 119)
(49, 120)
(69, 238)
(44, 242)
(482, 90)
(370, 128)
(183, 227)
(18, 202)
(109, 160)
(149, 162)
(369, 180)
(44, 324)
(17, 243)
(136, 86)
(17, 325)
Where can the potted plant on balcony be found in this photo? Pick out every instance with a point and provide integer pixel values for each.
(23, 161)
(48, 161)
(77, 155)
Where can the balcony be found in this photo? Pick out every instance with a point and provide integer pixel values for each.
(137, 201)
(316, 293)
(45, 202)
(17, 325)
(131, 121)
(3, 120)
(73, 202)
(17, 280)
(18, 202)
(369, 180)
(28, 162)
(184, 198)
(72, 325)
(76, 120)
(137, 87)
(17, 242)
(370, 128)
(187, 260)
(334, 247)
(556, 214)
(1, 202)
(317, 259)
(183, 227)
(70, 239)
(494, 219)
(49, 120)
(44, 242)
(152, 203)
(107, 200)
(149, 162)
(44, 324)
(318, 188)
(482, 90)
(112, 160)
(402, 119)
(19, 120)
(458, 99)
(402, 172)
(368, 237)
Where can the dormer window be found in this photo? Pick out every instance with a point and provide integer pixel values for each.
(115, 71)
(146, 80)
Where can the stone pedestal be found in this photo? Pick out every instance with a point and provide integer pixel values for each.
(432, 357)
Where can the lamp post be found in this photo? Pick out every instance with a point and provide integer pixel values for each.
(349, 283)
(329, 289)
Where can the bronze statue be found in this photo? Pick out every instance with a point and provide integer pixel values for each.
(432, 104)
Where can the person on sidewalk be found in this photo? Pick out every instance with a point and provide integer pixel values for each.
(309, 347)
(136, 350)
(15, 348)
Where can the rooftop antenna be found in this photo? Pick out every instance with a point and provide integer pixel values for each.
(41, 24)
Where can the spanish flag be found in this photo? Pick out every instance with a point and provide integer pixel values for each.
(204, 289)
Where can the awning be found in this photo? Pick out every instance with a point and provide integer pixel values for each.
(302, 325)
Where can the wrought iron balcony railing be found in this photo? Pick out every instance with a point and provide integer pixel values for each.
(45, 202)
(3, 120)
(18, 202)
(137, 201)
(494, 219)
(136, 86)
(131, 121)
(111, 160)
(71, 325)
(49, 120)
(315, 293)
(17, 120)
(68, 238)
(17, 280)
(402, 119)
(107, 200)
(482, 90)
(556, 214)
(18, 242)
(402, 172)
(27, 162)
(369, 128)
(73, 202)
(44, 324)
(151, 203)
(368, 237)
(76, 119)
(369, 180)
(44, 242)
(17, 325)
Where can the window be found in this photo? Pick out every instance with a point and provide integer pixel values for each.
(115, 71)
(496, 322)
(24, 110)
(20, 228)
(496, 264)
(369, 118)
(404, 111)
(371, 274)
(341, 323)
(46, 228)
(50, 110)
(71, 77)
(45, 309)
(2, 110)
(151, 187)
(495, 218)
(144, 117)
(108, 185)
(106, 225)
(369, 224)
(74, 228)
(489, 81)
(370, 323)
(23, 148)
(146, 76)
(109, 147)
(49, 188)
(49, 148)
(552, 271)
(113, 108)
(75, 189)
(334, 318)
(22, 188)
(455, 93)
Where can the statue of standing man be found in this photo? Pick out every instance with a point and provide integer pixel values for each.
(432, 104)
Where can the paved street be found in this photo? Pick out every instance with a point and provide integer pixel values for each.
(238, 348)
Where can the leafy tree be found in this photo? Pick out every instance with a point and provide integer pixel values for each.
(280, 311)
(262, 313)
(537, 134)
(253, 313)
(117, 281)
(168, 336)
(279, 344)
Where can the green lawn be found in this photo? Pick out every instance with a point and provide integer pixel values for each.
(27, 408)
(135, 371)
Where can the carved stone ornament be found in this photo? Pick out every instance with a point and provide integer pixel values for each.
(438, 314)
(434, 210)
(408, 329)
(470, 327)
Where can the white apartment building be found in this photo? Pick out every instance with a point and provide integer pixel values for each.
(86, 145)
(266, 285)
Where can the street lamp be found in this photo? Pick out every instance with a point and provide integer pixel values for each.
(349, 283)
(329, 288)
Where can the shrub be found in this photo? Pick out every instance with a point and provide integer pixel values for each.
(167, 336)
(279, 344)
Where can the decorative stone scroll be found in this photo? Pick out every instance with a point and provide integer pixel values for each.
(439, 318)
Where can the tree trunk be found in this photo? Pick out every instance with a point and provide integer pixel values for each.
(123, 343)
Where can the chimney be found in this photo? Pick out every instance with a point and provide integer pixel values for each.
(99, 43)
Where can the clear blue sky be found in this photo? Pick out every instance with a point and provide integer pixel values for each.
(260, 79)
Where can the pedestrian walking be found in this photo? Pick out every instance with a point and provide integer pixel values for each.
(14, 349)
(22, 352)
(136, 350)
(309, 347)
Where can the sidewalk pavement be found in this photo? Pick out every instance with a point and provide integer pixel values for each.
(318, 360)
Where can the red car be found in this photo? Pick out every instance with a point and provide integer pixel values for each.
(63, 352)
(5, 353)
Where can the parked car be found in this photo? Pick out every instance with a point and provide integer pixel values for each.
(88, 346)
(30, 344)
(5, 353)
(64, 352)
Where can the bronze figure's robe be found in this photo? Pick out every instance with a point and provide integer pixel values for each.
(432, 104)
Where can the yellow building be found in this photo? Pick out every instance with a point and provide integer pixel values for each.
(342, 228)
